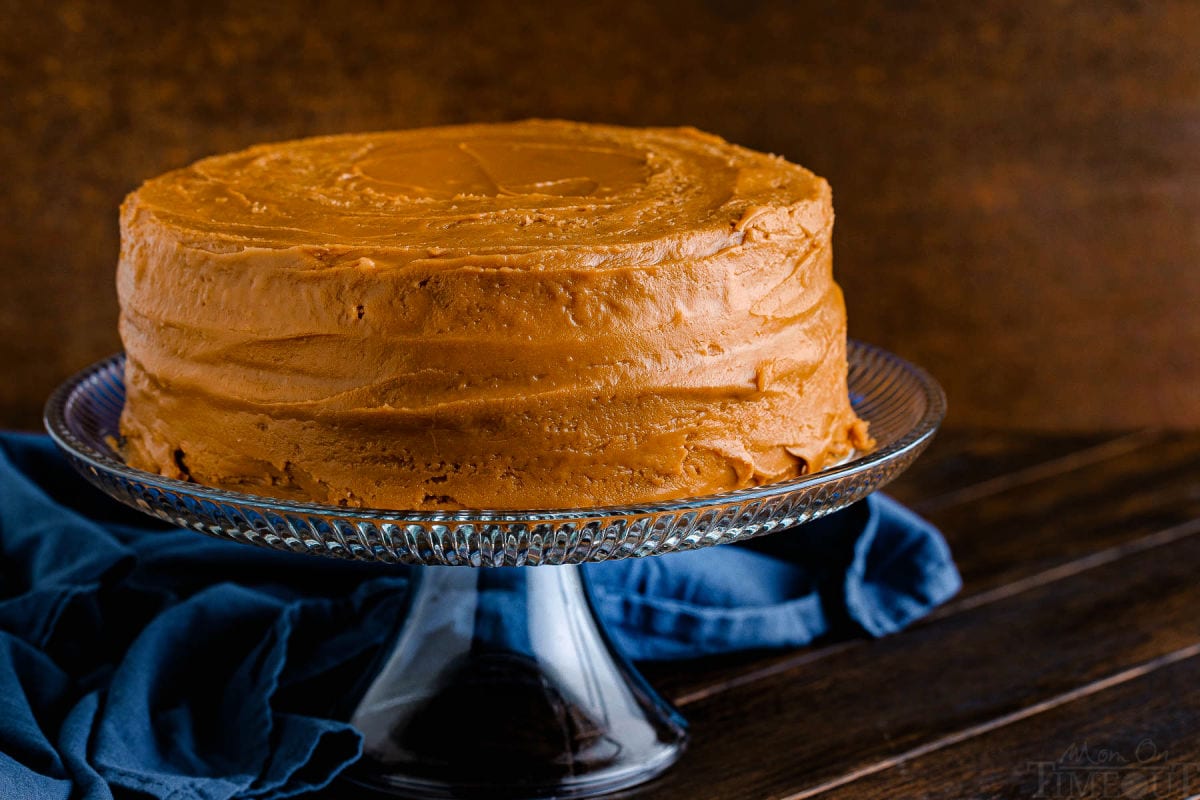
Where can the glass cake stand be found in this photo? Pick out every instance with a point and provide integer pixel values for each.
(501, 683)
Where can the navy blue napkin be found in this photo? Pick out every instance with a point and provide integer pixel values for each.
(138, 660)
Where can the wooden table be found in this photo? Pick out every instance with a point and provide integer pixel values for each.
(1069, 665)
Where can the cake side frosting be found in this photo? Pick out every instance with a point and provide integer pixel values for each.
(535, 314)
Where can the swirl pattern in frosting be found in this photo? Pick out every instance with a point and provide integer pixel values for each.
(524, 315)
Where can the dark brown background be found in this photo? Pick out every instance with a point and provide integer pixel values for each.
(1017, 184)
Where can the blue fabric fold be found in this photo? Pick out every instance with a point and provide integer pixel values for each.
(874, 568)
(138, 660)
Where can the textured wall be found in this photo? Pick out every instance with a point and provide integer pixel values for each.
(1017, 184)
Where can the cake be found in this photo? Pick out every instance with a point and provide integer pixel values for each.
(535, 314)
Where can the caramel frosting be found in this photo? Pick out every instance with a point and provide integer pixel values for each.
(523, 315)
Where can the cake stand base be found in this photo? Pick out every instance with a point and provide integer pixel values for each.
(502, 684)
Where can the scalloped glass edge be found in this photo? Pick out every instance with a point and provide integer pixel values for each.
(481, 537)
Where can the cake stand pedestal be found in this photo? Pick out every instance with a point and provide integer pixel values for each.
(503, 678)
(501, 683)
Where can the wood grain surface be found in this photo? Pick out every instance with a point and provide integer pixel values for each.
(1017, 183)
(1105, 740)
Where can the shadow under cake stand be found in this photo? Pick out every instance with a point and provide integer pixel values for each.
(501, 683)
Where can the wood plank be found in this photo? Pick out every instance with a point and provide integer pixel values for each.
(1134, 734)
(1018, 536)
(1028, 529)
(960, 460)
(822, 719)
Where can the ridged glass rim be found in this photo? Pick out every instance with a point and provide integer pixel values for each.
(55, 420)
